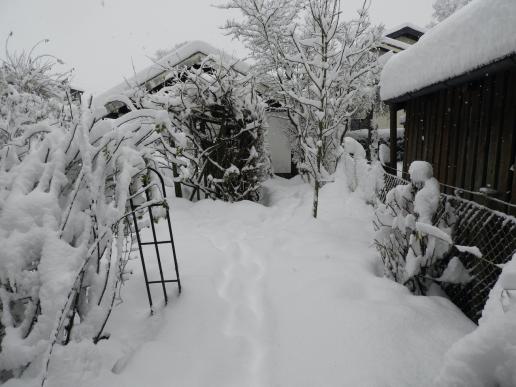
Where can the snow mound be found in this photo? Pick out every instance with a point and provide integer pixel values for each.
(272, 297)
(455, 273)
(420, 171)
(480, 33)
(487, 356)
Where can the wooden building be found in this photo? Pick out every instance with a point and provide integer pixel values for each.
(457, 86)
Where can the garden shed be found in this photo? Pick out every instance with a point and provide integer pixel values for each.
(457, 86)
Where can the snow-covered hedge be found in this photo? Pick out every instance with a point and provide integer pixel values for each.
(411, 244)
(64, 184)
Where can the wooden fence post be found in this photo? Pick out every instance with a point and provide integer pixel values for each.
(393, 145)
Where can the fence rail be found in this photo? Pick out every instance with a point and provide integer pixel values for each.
(471, 224)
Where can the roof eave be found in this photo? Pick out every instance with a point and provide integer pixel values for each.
(499, 65)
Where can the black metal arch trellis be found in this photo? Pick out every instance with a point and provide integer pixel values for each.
(155, 242)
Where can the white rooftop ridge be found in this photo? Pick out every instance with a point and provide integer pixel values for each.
(174, 58)
(396, 43)
(481, 33)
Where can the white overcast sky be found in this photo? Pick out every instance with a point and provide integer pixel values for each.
(102, 39)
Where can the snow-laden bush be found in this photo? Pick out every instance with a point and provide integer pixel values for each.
(63, 192)
(487, 356)
(222, 118)
(409, 241)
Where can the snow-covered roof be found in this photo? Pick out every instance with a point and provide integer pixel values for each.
(174, 58)
(75, 87)
(481, 33)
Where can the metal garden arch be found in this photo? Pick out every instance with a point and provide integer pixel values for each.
(155, 242)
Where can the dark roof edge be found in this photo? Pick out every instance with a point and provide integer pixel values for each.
(499, 65)
(407, 30)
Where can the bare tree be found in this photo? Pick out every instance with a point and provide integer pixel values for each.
(444, 8)
(320, 68)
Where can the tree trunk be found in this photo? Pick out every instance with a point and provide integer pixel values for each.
(316, 198)
(177, 185)
(369, 141)
(175, 174)
(317, 183)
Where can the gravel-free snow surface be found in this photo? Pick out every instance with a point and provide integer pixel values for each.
(270, 297)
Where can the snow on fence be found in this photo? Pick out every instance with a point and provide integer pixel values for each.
(383, 139)
(471, 224)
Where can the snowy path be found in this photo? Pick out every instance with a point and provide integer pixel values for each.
(242, 289)
(272, 298)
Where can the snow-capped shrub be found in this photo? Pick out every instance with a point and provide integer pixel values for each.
(487, 356)
(411, 244)
(32, 100)
(222, 117)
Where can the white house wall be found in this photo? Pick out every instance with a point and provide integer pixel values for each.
(279, 144)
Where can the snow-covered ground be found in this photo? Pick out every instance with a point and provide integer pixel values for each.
(270, 297)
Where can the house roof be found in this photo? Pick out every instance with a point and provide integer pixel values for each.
(181, 55)
(390, 40)
(481, 33)
(404, 30)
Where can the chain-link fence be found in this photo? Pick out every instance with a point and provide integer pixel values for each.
(471, 224)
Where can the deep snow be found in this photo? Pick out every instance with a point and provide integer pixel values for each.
(270, 297)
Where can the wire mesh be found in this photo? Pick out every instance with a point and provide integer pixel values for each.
(471, 224)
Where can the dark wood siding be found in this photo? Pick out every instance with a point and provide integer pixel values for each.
(468, 134)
